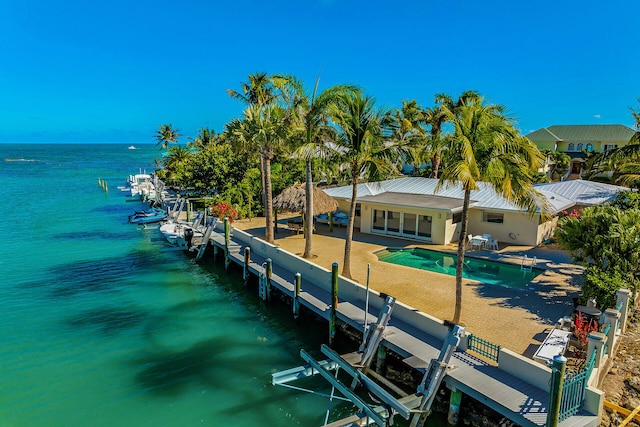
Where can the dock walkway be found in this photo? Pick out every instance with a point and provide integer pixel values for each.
(519, 401)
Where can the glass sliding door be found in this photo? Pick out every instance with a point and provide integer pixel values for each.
(379, 219)
(409, 225)
(424, 226)
(393, 222)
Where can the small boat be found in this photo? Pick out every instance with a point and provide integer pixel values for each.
(182, 233)
(131, 147)
(148, 217)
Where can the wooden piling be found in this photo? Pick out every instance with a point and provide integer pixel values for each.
(555, 393)
(268, 273)
(334, 303)
(245, 267)
(454, 407)
(227, 237)
(296, 296)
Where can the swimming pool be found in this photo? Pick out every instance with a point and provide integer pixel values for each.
(485, 271)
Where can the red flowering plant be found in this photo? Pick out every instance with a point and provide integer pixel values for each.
(582, 326)
(223, 210)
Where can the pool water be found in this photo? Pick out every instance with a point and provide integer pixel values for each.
(485, 271)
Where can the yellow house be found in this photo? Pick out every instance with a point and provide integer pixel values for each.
(411, 208)
(578, 140)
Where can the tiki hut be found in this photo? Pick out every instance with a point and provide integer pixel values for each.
(293, 199)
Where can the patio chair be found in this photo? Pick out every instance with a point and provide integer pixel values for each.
(486, 236)
(470, 240)
(493, 244)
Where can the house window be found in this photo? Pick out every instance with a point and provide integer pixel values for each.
(493, 217)
(580, 147)
(571, 147)
(358, 209)
(457, 217)
(608, 147)
(589, 147)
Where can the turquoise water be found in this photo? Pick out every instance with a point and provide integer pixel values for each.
(489, 272)
(99, 326)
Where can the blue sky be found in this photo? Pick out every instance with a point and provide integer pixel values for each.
(85, 71)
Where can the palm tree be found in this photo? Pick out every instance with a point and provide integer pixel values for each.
(406, 130)
(361, 148)
(166, 135)
(175, 162)
(262, 130)
(486, 147)
(203, 139)
(311, 118)
(259, 90)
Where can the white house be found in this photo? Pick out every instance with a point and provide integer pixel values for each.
(411, 208)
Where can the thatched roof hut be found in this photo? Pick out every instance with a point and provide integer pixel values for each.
(293, 199)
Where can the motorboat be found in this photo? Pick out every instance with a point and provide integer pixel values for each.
(132, 147)
(140, 186)
(182, 234)
(148, 217)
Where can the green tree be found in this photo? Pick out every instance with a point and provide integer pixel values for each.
(176, 163)
(360, 148)
(204, 138)
(485, 146)
(262, 130)
(310, 116)
(606, 238)
(258, 90)
(166, 135)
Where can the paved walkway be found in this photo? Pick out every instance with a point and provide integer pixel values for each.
(513, 318)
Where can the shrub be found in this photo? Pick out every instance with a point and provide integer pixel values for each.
(223, 210)
(602, 286)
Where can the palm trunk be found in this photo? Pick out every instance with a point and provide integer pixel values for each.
(346, 268)
(308, 224)
(263, 191)
(268, 209)
(435, 164)
(462, 241)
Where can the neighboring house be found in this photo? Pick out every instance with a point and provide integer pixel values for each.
(583, 193)
(577, 140)
(411, 208)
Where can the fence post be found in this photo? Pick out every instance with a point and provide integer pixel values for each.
(555, 394)
(334, 303)
(596, 341)
(623, 296)
(611, 316)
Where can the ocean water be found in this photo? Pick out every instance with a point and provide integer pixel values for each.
(100, 326)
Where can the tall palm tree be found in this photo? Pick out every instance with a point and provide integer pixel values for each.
(486, 147)
(361, 148)
(312, 121)
(258, 91)
(262, 130)
(166, 135)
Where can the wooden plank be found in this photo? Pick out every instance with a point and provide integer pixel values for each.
(623, 411)
(630, 417)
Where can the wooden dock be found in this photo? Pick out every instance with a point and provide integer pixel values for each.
(514, 398)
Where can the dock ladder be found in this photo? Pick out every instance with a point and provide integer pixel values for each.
(262, 282)
(527, 265)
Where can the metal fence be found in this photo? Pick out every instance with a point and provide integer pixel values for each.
(484, 348)
(573, 390)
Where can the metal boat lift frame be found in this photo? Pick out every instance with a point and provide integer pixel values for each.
(357, 365)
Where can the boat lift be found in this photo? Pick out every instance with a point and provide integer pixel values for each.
(416, 406)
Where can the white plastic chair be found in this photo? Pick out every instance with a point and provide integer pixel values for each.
(486, 236)
(493, 244)
(470, 240)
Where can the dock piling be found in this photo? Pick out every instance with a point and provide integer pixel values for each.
(268, 272)
(245, 267)
(296, 296)
(454, 406)
(334, 303)
(555, 394)
(227, 237)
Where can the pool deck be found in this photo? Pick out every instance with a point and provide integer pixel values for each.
(513, 318)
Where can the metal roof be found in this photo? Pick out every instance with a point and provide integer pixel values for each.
(586, 193)
(415, 200)
(583, 133)
(485, 197)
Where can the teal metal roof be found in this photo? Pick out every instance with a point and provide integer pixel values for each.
(583, 133)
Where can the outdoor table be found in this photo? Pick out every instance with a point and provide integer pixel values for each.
(479, 241)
